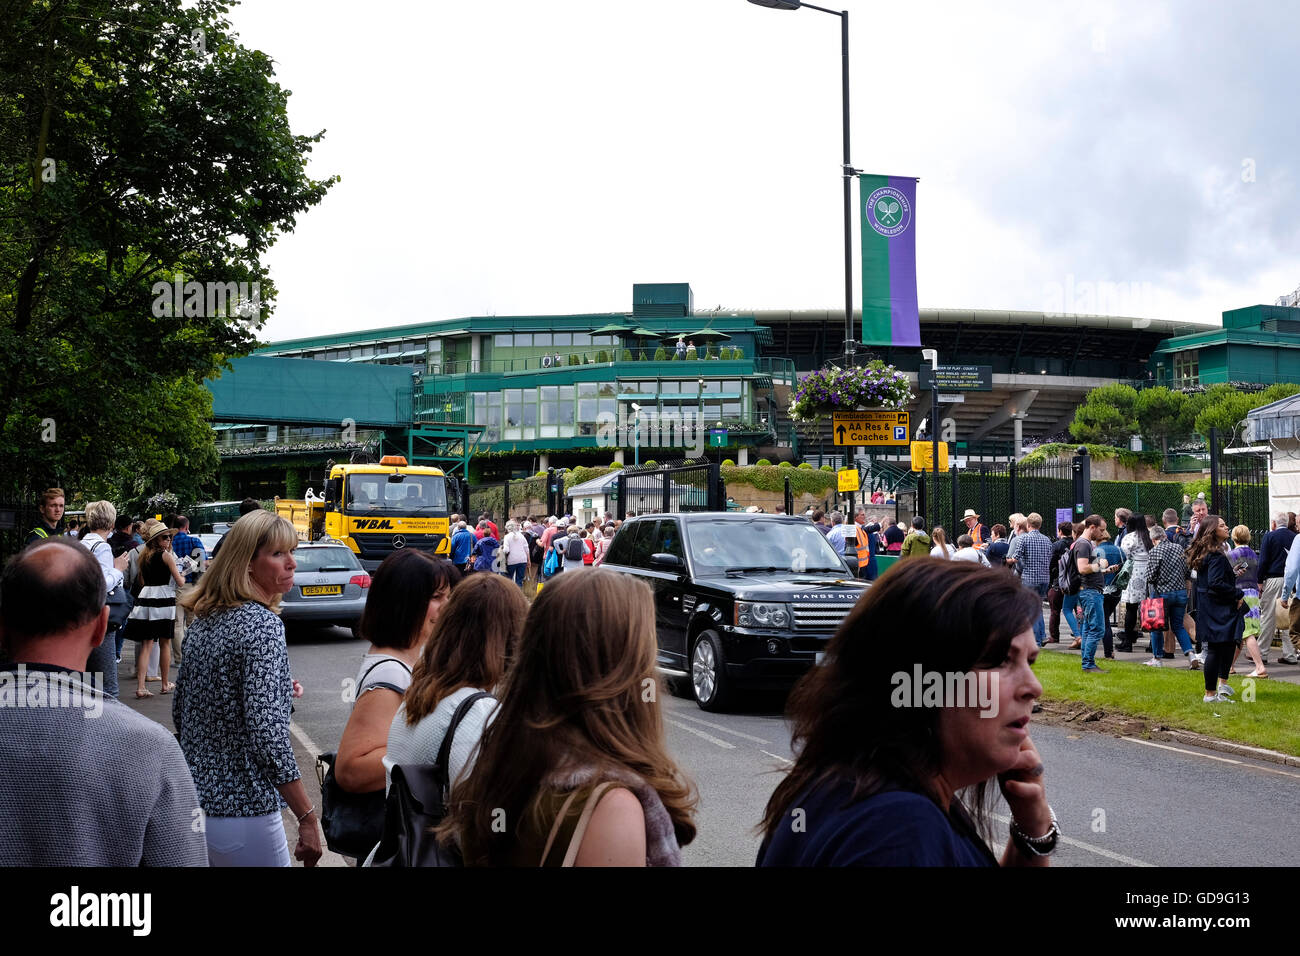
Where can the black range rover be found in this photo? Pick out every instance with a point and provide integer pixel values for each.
(746, 599)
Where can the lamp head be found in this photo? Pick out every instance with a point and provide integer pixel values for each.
(931, 356)
(636, 407)
(778, 4)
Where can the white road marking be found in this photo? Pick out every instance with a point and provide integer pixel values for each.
(725, 730)
(303, 739)
(777, 756)
(699, 733)
(1193, 753)
(1117, 857)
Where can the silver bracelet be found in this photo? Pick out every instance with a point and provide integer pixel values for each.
(312, 809)
(1038, 846)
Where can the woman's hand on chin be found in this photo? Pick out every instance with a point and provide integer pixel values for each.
(1023, 786)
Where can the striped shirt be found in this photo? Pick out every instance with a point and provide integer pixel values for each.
(1034, 550)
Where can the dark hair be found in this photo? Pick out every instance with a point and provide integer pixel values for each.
(1137, 524)
(1065, 527)
(247, 505)
(45, 592)
(818, 515)
(844, 722)
(918, 523)
(472, 644)
(965, 541)
(1205, 543)
(123, 523)
(1290, 522)
(1000, 530)
(1094, 521)
(399, 597)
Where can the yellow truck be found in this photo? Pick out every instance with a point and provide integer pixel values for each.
(376, 509)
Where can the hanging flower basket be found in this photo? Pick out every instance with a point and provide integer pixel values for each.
(827, 391)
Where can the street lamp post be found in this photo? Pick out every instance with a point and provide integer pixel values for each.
(932, 356)
(846, 169)
(636, 434)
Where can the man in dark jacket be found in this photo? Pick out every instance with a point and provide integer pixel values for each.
(1272, 570)
(51, 521)
(1055, 595)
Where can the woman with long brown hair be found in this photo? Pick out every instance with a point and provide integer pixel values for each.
(882, 758)
(1219, 605)
(574, 769)
(468, 652)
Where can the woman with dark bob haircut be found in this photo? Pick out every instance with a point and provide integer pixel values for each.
(899, 738)
(406, 598)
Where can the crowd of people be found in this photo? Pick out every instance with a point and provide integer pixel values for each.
(546, 716)
(534, 549)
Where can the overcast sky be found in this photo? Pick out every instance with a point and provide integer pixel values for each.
(524, 157)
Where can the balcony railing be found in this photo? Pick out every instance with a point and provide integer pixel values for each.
(588, 357)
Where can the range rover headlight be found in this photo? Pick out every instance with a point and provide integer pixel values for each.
(755, 614)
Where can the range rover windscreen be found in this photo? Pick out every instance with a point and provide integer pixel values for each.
(759, 545)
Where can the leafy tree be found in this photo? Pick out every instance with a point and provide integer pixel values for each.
(1108, 416)
(1227, 408)
(138, 142)
(1160, 416)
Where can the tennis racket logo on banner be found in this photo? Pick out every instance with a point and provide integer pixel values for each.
(888, 211)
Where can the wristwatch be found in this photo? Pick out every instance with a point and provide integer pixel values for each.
(1036, 846)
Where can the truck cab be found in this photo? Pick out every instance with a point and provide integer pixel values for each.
(376, 509)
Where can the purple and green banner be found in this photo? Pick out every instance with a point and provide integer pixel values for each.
(889, 312)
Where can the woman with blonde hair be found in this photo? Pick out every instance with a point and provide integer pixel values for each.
(232, 703)
(1245, 565)
(100, 518)
(941, 549)
(154, 616)
(575, 761)
(468, 653)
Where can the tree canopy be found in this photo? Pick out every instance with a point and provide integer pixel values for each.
(140, 146)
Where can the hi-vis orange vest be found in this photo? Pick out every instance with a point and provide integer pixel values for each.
(978, 538)
(864, 547)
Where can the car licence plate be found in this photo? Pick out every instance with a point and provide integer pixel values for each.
(318, 590)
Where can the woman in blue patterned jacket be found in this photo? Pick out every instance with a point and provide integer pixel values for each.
(233, 700)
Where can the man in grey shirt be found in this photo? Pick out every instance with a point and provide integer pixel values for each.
(84, 780)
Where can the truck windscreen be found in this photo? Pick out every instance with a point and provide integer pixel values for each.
(413, 495)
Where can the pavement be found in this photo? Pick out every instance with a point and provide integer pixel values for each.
(159, 708)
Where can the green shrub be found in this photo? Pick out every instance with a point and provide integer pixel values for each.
(784, 464)
(627, 355)
(805, 464)
(672, 356)
(728, 463)
(762, 462)
(737, 353)
(692, 356)
(640, 356)
(652, 463)
(573, 360)
(602, 356)
(661, 354)
(827, 468)
(773, 479)
(615, 465)
(540, 474)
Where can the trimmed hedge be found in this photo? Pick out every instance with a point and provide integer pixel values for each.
(805, 464)
(771, 478)
(1127, 457)
(762, 463)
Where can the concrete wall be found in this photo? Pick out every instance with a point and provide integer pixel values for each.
(1284, 476)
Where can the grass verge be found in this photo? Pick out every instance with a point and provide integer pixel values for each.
(1170, 697)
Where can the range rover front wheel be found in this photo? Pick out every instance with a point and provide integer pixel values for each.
(709, 680)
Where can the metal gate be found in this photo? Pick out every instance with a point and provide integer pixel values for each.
(1239, 486)
(687, 486)
(995, 491)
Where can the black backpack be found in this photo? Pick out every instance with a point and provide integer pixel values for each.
(534, 547)
(573, 549)
(417, 802)
(1067, 572)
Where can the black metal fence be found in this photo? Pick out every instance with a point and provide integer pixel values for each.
(1239, 487)
(686, 486)
(16, 520)
(996, 491)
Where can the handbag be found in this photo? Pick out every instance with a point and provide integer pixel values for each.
(353, 822)
(1152, 614)
(120, 601)
(1124, 576)
(417, 802)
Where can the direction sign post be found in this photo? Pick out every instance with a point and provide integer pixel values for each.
(871, 426)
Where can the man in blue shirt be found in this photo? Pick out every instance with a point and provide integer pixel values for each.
(462, 542)
(184, 545)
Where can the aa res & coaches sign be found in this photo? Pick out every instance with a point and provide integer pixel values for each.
(871, 427)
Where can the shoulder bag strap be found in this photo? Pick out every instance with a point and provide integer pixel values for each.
(583, 820)
(555, 827)
(444, 750)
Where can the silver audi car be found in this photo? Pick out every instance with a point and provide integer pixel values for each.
(329, 587)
